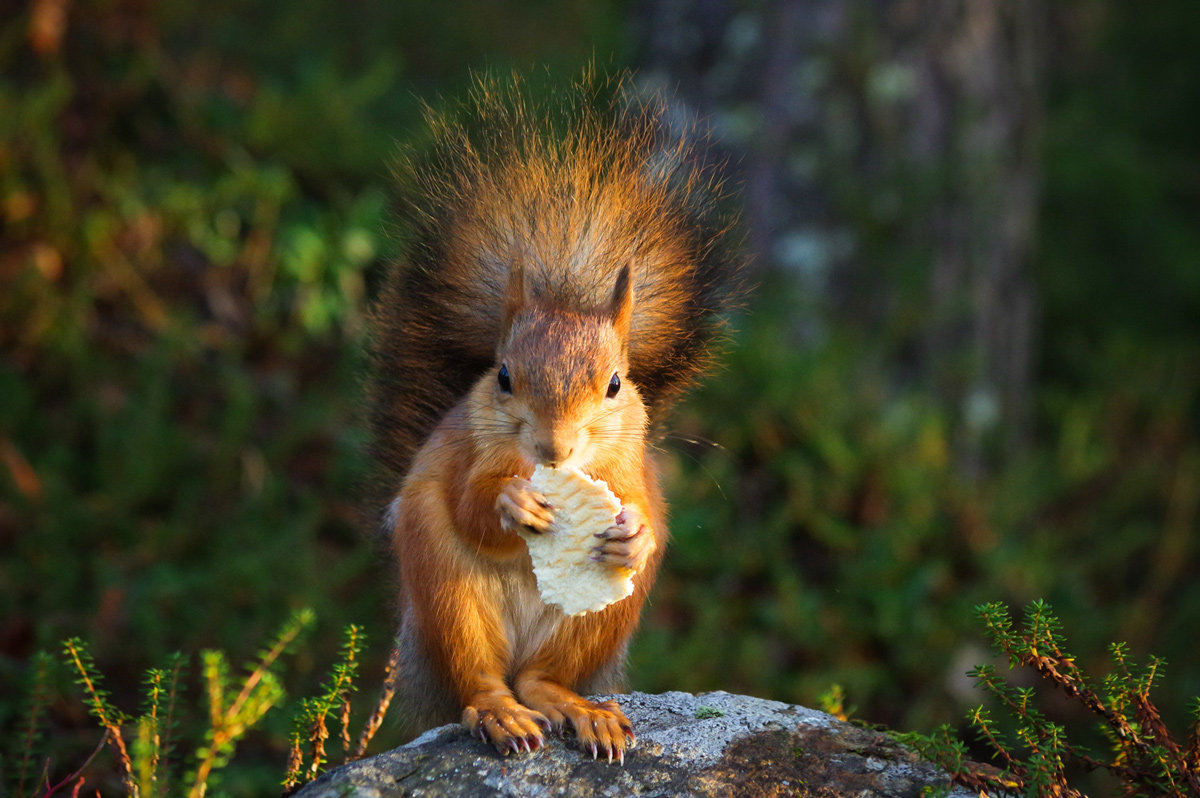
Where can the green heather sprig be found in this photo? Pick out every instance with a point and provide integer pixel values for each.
(96, 697)
(309, 724)
(154, 742)
(31, 735)
(231, 716)
(233, 707)
(1144, 756)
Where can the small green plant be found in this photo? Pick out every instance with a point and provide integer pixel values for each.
(155, 741)
(1143, 755)
(145, 762)
(96, 697)
(309, 724)
(833, 701)
(30, 735)
(231, 717)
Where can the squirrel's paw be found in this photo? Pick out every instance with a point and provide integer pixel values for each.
(601, 729)
(508, 726)
(520, 506)
(628, 543)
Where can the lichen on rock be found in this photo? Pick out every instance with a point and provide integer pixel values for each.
(737, 746)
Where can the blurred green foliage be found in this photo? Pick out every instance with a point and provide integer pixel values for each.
(827, 539)
(194, 206)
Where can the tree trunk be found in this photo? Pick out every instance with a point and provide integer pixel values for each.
(888, 157)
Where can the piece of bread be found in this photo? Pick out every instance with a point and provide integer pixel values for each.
(566, 574)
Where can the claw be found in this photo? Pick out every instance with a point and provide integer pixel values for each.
(621, 756)
(610, 754)
(595, 753)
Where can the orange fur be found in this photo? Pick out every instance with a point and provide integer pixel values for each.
(543, 264)
(459, 564)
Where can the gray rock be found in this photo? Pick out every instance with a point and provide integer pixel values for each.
(713, 744)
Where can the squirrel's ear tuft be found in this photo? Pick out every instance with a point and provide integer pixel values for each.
(514, 297)
(621, 305)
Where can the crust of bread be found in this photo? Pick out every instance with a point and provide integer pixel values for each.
(566, 575)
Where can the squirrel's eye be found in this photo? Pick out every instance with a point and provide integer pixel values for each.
(614, 385)
(505, 382)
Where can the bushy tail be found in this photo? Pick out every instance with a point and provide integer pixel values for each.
(573, 186)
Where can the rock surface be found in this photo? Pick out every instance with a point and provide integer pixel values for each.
(713, 744)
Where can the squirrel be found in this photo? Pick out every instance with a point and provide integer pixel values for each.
(566, 272)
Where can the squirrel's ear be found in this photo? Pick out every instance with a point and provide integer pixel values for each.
(514, 297)
(621, 305)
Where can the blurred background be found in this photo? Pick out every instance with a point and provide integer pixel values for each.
(971, 370)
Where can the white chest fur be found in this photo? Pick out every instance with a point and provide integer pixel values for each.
(528, 621)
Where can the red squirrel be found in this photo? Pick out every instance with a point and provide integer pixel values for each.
(564, 275)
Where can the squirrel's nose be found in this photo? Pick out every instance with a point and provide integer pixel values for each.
(552, 452)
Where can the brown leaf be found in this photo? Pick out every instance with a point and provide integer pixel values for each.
(47, 23)
(22, 472)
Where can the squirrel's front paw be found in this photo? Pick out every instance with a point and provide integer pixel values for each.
(508, 726)
(522, 507)
(600, 729)
(628, 543)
